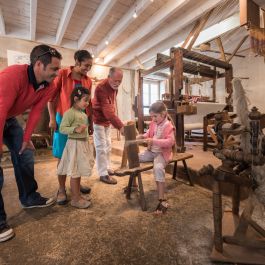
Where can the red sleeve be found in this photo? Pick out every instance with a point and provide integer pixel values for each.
(108, 109)
(36, 111)
(89, 108)
(9, 84)
(57, 83)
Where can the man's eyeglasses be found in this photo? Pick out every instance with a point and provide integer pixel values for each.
(51, 51)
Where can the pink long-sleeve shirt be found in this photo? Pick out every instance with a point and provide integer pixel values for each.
(167, 138)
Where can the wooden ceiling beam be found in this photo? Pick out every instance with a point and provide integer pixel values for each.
(190, 34)
(33, 18)
(65, 19)
(237, 48)
(167, 37)
(206, 35)
(94, 23)
(2, 23)
(151, 24)
(122, 24)
(199, 29)
(221, 48)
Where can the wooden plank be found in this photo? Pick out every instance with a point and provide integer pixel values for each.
(214, 88)
(237, 48)
(221, 48)
(2, 23)
(140, 103)
(128, 171)
(217, 216)
(132, 149)
(156, 68)
(226, 53)
(204, 59)
(190, 35)
(228, 84)
(196, 69)
(233, 253)
(249, 13)
(147, 166)
(178, 72)
(199, 28)
(189, 68)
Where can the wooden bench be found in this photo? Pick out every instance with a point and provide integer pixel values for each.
(136, 172)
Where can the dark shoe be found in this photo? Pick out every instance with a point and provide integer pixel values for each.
(111, 172)
(161, 207)
(85, 190)
(61, 197)
(6, 232)
(107, 179)
(38, 202)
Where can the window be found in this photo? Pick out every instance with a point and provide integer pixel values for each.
(152, 91)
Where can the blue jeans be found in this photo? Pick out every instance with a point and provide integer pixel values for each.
(23, 166)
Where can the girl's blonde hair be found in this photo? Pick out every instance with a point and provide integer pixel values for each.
(158, 107)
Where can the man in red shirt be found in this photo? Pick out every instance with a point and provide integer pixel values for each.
(104, 115)
(25, 87)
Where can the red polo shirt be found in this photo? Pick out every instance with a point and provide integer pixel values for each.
(103, 105)
(17, 95)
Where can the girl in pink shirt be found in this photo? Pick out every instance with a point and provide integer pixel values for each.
(160, 138)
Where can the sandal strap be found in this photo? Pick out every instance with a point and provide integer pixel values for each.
(162, 206)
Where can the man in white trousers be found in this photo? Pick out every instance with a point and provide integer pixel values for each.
(104, 115)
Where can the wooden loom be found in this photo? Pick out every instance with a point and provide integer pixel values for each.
(183, 61)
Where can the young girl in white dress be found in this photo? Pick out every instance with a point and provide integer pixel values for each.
(77, 159)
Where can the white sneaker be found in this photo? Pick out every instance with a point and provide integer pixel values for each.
(6, 232)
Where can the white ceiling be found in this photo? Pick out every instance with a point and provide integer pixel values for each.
(160, 24)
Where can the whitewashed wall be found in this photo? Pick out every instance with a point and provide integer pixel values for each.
(249, 67)
(253, 68)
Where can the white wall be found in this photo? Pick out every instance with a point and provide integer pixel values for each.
(253, 68)
(249, 67)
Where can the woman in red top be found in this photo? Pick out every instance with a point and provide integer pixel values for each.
(67, 80)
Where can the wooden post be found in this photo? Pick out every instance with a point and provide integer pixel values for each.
(214, 88)
(243, 223)
(190, 34)
(178, 86)
(178, 72)
(180, 132)
(221, 48)
(217, 216)
(237, 48)
(133, 161)
(198, 29)
(140, 104)
(236, 199)
(228, 85)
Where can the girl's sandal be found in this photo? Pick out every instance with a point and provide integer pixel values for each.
(161, 207)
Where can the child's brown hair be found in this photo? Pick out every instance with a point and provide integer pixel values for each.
(78, 92)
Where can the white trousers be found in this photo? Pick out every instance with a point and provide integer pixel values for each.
(102, 141)
(159, 164)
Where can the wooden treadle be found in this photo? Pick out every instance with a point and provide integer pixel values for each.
(234, 253)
